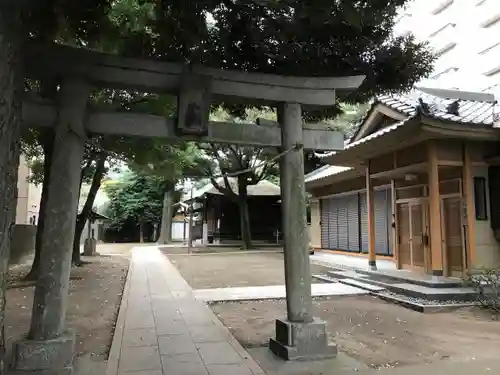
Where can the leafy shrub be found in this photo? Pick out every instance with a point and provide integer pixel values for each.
(487, 284)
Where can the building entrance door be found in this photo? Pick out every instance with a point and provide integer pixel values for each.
(451, 211)
(412, 232)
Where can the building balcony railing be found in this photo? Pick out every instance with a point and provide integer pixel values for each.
(488, 62)
(486, 12)
(444, 39)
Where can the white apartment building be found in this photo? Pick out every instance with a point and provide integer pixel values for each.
(464, 34)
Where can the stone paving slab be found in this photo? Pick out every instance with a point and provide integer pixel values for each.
(271, 292)
(163, 330)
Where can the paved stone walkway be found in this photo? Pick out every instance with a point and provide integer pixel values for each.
(163, 330)
(271, 292)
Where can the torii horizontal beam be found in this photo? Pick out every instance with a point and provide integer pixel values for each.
(144, 125)
(155, 76)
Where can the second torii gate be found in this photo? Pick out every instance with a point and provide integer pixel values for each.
(300, 336)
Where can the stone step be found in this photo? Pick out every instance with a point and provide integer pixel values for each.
(412, 290)
(405, 277)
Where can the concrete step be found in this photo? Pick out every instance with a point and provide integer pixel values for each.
(410, 290)
(405, 277)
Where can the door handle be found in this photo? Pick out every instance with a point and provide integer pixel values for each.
(426, 239)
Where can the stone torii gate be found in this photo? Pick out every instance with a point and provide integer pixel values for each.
(48, 347)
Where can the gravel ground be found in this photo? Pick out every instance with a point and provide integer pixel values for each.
(375, 332)
(423, 301)
(94, 298)
(205, 271)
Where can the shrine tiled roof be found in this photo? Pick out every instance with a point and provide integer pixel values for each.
(454, 106)
(324, 172)
(447, 107)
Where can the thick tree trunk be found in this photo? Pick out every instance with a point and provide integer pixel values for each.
(166, 217)
(10, 125)
(246, 234)
(83, 216)
(141, 231)
(48, 146)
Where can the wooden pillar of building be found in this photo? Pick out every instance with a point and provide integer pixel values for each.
(370, 204)
(49, 345)
(435, 219)
(468, 198)
(394, 225)
(300, 336)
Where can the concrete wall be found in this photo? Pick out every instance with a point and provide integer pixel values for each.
(23, 242)
(487, 247)
(22, 192)
(315, 227)
(178, 230)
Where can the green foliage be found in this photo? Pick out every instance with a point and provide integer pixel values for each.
(486, 282)
(230, 159)
(170, 161)
(348, 121)
(135, 197)
(293, 37)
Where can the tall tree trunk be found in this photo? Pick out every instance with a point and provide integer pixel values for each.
(166, 217)
(84, 216)
(141, 231)
(11, 79)
(47, 140)
(246, 234)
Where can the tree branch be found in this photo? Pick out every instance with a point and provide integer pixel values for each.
(227, 191)
(237, 157)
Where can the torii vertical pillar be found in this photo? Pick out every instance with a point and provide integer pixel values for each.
(49, 346)
(300, 336)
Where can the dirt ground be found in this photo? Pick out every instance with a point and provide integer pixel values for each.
(94, 298)
(204, 271)
(375, 332)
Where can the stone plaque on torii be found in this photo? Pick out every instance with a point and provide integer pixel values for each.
(300, 336)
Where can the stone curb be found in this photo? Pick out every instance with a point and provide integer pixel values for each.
(426, 309)
(116, 344)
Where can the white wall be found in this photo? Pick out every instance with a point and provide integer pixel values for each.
(85, 233)
(487, 247)
(28, 196)
(178, 231)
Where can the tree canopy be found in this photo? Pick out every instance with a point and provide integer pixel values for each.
(135, 197)
(293, 37)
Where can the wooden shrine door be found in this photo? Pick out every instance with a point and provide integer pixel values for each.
(412, 232)
(451, 210)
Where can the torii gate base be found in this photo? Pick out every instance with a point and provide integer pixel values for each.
(302, 341)
(301, 336)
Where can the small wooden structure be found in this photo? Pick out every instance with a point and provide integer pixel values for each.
(221, 219)
(418, 182)
(49, 344)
